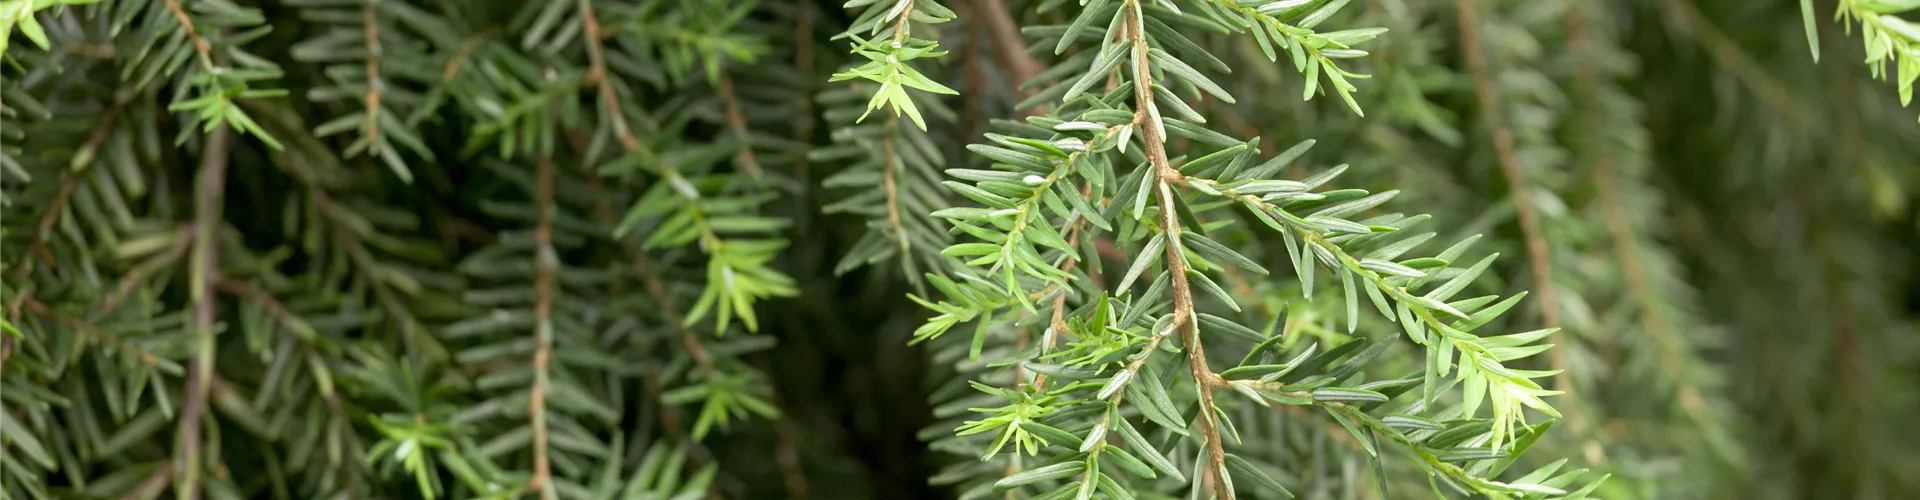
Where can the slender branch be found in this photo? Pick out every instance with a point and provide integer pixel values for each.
(1488, 97)
(890, 156)
(737, 123)
(146, 357)
(976, 74)
(669, 414)
(205, 271)
(1620, 227)
(371, 21)
(543, 285)
(1057, 325)
(153, 484)
(1021, 67)
(43, 230)
(199, 45)
(1686, 18)
(597, 76)
(57, 207)
(900, 24)
(1155, 139)
(459, 58)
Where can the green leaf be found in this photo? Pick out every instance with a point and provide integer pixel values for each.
(1246, 471)
(1184, 72)
(1128, 462)
(24, 440)
(1144, 449)
(1035, 475)
(1813, 31)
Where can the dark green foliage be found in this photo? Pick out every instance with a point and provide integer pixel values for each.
(1049, 249)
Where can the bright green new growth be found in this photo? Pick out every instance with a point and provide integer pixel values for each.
(1096, 168)
(889, 48)
(1888, 39)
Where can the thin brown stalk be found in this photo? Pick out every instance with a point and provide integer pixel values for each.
(597, 75)
(1155, 139)
(145, 356)
(891, 155)
(669, 415)
(737, 123)
(369, 17)
(205, 271)
(543, 286)
(37, 244)
(459, 58)
(180, 14)
(1536, 242)
(151, 487)
(976, 74)
(1020, 66)
(1057, 325)
(1620, 228)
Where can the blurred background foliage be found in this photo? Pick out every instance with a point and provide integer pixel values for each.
(662, 221)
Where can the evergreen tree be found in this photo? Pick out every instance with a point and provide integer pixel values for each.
(942, 248)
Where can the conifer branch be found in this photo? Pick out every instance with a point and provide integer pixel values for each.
(201, 46)
(369, 16)
(459, 58)
(670, 415)
(1183, 315)
(1626, 247)
(1521, 191)
(889, 165)
(737, 123)
(205, 271)
(545, 260)
(597, 76)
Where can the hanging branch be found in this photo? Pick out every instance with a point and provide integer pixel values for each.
(205, 271)
(545, 259)
(737, 123)
(1165, 176)
(1521, 191)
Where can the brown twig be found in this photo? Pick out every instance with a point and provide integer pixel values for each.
(180, 14)
(543, 286)
(1488, 97)
(153, 484)
(146, 357)
(42, 231)
(205, 271)
(1155, 139)
(1057, 325)
(1620, 227)
(460, 57)
(1020, 66)
(974, 97)
(371, 21)
(597, 75)
(890, 154)
(737, 123)
(669, 415)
